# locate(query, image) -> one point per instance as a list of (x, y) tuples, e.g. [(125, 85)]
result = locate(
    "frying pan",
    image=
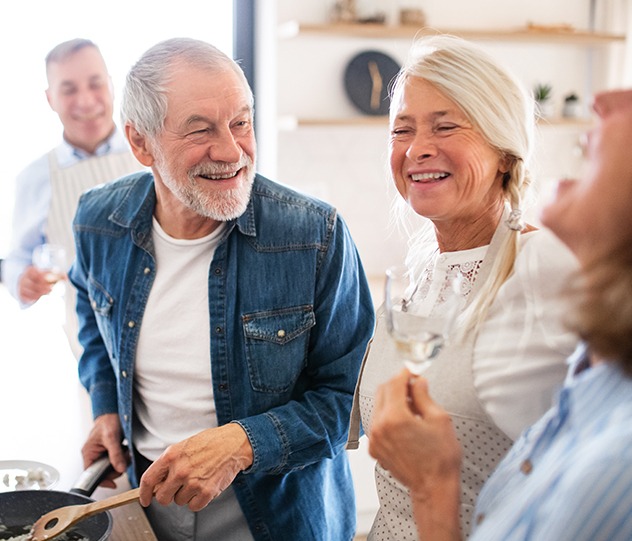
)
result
[(24, 507)]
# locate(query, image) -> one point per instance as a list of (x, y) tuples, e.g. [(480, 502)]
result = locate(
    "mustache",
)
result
[(220, 168)]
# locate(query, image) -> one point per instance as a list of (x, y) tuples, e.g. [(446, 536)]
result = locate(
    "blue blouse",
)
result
[(569, 476)]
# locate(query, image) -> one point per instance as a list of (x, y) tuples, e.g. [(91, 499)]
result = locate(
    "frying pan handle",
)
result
[(92, 476)]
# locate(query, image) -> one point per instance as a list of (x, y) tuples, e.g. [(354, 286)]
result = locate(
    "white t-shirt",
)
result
[(173, 392)]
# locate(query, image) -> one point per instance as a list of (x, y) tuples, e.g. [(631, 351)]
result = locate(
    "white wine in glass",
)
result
[(52, 259), (419, 331)]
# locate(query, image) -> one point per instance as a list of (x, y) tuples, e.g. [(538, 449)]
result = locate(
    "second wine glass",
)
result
[(52, 259)]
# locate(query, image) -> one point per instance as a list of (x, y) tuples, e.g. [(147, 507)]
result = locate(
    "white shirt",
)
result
[(173, 392), (518, 349)]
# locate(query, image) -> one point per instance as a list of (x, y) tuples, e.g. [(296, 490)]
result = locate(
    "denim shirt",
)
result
[(290, 315)]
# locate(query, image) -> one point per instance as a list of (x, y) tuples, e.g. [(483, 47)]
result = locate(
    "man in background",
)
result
[(93, 151)]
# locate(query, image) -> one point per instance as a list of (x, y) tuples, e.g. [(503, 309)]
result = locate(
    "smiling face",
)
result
[(441, 165), (592, 215), (80, 92), (203, 160)]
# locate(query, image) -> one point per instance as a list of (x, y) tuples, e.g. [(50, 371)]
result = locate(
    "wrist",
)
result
[(245, 453), (436, 509)]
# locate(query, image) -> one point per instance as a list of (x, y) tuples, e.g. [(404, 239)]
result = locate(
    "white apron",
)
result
[(451, 385), (67, 185)]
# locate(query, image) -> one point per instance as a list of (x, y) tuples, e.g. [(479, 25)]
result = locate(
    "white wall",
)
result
[(302, 77)]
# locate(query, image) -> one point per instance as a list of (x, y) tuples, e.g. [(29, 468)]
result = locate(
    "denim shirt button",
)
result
[(222, 386), (94, 305), (147, 270), (125, 417), (124, 373), (280, 333), (131, 324), (219, 330), (217, 271)]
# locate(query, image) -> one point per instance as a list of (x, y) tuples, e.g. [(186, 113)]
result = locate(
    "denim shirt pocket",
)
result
[(276, 346), (101, 303)]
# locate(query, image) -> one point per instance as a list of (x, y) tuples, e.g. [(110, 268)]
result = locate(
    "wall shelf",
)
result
[(288, 123), (530, 34)]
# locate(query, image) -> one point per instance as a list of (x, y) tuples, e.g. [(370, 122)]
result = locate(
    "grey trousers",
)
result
[(221, 520)]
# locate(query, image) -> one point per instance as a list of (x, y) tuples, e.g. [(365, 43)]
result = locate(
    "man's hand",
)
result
[(105, 437), (32, 284), (197, 470)]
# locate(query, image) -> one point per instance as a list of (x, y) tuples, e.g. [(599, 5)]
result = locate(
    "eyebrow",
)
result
[(433, 116), (71, 83), (196, 118), (201, 118)]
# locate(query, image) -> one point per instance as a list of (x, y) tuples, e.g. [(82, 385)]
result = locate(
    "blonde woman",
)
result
[(461, 138), (568, 478)]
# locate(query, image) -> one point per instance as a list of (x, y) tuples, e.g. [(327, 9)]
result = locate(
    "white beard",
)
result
[(221, 205)]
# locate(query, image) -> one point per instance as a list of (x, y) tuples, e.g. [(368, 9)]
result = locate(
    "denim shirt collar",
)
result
[(137, 208), (246, 222)]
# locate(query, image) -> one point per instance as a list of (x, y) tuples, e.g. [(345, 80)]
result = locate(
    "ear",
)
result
[(49, 98), (140, 146), (505, 163), (111, 86)]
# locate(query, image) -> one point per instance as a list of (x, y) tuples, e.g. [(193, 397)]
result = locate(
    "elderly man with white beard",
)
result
[(223, 318)]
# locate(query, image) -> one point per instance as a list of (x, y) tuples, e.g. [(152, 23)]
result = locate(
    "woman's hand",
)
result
[(413, 438)]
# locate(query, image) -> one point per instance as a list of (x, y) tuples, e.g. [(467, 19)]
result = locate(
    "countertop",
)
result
[(130, 524)]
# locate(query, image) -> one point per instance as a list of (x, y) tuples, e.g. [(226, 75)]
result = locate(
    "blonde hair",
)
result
[(501, 111)]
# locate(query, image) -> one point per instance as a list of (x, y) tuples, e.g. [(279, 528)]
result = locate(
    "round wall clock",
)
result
[(367, 77)]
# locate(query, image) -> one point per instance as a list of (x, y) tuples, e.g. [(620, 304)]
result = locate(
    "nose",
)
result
[(86, 98), (225, 147), (421, 147)]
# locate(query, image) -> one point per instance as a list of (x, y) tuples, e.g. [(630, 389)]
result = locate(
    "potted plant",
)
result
[(542, 93), (572, 106)]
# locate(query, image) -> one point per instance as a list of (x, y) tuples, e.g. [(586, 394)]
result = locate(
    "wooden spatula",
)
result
[(59, 520)]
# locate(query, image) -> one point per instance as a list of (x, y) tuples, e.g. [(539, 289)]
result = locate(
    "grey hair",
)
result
[(66, 49), (491, 97), (144, 101), (500, 109)]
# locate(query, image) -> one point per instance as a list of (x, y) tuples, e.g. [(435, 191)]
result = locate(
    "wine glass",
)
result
[(420, 329), (52, 259)]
